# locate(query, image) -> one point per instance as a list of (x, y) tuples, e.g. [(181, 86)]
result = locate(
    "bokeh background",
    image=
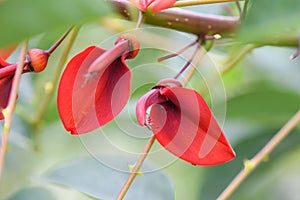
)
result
[(252, 101)]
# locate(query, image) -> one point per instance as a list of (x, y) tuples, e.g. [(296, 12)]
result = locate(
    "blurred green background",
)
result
[(252, 101)]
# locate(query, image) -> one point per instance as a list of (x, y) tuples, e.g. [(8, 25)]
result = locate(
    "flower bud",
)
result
[(134, 44), (37, 59)]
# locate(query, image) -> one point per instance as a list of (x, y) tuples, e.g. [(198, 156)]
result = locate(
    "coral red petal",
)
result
[(5, 87), (177, 125), (150, 98), (3, 63), (159, 5), (142, 4), (85, 104)]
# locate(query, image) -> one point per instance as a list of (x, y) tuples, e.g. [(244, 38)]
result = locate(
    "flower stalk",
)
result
[(252, 164), (11, 105), (136, 168)]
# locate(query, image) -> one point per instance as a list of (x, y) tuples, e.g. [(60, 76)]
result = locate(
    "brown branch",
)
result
[(181, 20), (195, 22)]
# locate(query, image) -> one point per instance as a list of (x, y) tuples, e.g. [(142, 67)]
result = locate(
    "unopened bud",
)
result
[(38, 59), (134, 44)]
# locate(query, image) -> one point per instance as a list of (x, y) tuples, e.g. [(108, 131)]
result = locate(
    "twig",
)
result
[(200, 41), (250, 165), (179, 52), (11, 104), (59, 41), (136, 168)]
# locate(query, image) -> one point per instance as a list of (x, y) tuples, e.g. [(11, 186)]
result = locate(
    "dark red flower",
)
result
[(5, 87), (183, 124), (155, 5), (95, 85), (36, 62)]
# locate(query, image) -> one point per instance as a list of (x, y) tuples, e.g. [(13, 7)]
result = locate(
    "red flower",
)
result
[(183, 124), (5, 87), (36, 62), (156, 5), (95, 85)]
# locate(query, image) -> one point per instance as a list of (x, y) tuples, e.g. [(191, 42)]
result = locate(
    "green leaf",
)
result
[(20, 19), (101, 181), (266, 106), (32, 193), (270, 22)]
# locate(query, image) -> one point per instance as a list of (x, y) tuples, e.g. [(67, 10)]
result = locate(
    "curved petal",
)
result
[(86, 104), (3, 63), (148, 99), (5, 87), (159, 5), (186, 127)]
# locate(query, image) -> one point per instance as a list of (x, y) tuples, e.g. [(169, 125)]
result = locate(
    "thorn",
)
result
[(131, 167)]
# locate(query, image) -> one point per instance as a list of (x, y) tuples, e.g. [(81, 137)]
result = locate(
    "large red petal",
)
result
[(5, 87), (159, 5), (147, 100), (87, 103), (186, 127)]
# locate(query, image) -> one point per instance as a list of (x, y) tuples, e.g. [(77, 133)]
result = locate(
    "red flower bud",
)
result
[(134, 44), (38, 59)]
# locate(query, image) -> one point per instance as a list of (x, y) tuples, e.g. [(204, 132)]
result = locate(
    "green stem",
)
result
[(233, 60), (136, 168), (252, 164), (8, 112)]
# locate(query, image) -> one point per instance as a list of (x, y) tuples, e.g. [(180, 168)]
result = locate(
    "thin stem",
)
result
[(58, 42), (191, 71), (238, 5), (199, 2), (140, 20), (250, 165), (8, 112), (237, 58), (136, 168), (52, 85), (191, 59), (244, 11), (179, 52)]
